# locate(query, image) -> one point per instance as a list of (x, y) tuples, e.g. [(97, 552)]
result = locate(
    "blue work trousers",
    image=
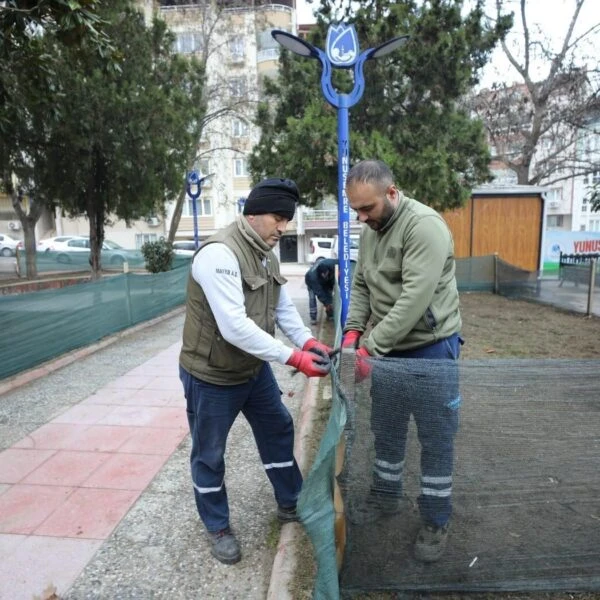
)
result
[(211, 411), (312, 305), (422, 383)]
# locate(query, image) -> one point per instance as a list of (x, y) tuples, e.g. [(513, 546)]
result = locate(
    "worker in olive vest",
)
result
[(235, 298)]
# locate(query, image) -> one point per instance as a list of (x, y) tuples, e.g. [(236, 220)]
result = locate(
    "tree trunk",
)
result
[(30, 249), (176, 218), (28, 221), (96, 219)]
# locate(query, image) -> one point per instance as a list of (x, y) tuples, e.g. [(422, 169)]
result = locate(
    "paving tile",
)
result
[(169, 417), (108, 396), (89, 513), (67, 468), (85, 414), (101, 438), (153, 440), (164, 383), (16, 463), (135, 416), (131, 382), (148, 397), (38, 562), (52, 436), (126, 472), (25, 507)]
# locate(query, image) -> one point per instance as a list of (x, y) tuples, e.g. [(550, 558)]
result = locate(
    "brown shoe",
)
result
[(431, 542)]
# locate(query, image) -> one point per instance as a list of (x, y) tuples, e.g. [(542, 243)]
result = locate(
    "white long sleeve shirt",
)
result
[(216, 270)]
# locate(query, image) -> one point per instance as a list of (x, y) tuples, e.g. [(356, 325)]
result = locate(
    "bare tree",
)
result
[(537, 127), (212, 29)]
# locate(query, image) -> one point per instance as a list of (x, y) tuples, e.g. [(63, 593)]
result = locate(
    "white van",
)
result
[(354, 246), (320, 248)]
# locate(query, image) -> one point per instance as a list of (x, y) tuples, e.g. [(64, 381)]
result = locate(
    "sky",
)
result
[(551, 17)]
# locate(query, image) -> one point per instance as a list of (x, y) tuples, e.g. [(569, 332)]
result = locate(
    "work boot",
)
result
[(224, 546), (377, 506), (431, 542), (287, 515)]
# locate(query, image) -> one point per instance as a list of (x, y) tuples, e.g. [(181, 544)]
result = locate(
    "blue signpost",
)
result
[(194, 188), (342, 52)]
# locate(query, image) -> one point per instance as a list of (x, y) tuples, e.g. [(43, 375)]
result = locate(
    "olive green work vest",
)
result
[(205, 353)]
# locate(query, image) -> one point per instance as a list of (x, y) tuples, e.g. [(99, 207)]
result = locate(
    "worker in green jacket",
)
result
[(404, 289)]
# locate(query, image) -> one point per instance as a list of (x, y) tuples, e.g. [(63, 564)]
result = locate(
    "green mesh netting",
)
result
[(39, 326)]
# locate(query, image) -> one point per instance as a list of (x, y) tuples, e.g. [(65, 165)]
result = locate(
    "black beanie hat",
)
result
[(277, 196)]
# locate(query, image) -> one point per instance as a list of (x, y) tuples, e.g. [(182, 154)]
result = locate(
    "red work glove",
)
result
[(313, 363), (350, 338), (362, 367), (313, 343)]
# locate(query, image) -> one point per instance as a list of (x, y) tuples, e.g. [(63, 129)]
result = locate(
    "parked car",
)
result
[(111, 253), (54, 243), (8, 245), (320, 248), (184, 247)]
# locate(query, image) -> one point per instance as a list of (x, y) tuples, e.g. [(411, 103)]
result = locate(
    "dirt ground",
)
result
[(493, 327)]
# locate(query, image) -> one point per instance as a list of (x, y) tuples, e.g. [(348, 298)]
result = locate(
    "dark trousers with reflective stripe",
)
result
[(423, 384), (211, 411)]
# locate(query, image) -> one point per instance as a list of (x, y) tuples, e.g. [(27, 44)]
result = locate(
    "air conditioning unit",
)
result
[(554, 204), (153, 221), (14, 225)]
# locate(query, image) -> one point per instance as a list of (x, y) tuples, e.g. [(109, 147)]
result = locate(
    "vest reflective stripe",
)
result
[(282, 465)]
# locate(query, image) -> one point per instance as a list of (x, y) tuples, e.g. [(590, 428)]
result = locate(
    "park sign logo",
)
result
[(342, 45)]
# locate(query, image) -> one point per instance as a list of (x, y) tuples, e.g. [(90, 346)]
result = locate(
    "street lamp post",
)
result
[(342, 52), (194, 183)]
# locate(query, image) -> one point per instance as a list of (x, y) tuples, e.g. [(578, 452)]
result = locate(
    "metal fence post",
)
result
[(592, 282)]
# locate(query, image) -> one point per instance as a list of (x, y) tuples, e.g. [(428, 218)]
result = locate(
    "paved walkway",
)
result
[(95, 499)]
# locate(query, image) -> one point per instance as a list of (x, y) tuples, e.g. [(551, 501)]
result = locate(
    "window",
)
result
[(555, 221), (240, 128), (78, 243), (203, 207), (240, 167), (594, 225), (237, 47), (142, 238), (188, 42), (237, 86), (202, 167)]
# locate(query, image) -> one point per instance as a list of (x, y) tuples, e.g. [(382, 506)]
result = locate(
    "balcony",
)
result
[(326, 219)]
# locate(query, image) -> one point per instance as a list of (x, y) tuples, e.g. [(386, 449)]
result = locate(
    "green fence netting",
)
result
[(39, 326)]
